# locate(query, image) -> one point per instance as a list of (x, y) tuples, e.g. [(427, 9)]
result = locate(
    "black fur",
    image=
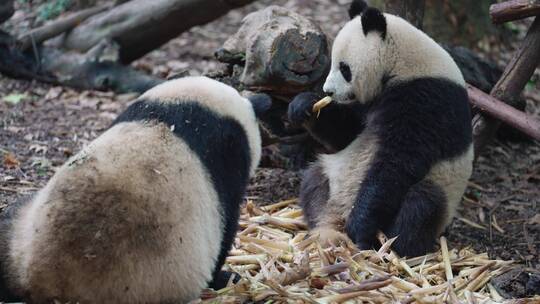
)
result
[(374, 20), (221, 144), (261, 103), (345, 71), (421, 213), (347, 121), (418, 123), (222, 278), (356, 8)]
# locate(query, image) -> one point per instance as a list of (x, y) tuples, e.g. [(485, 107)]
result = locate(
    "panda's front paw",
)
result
[(300, 108), (362, 237)]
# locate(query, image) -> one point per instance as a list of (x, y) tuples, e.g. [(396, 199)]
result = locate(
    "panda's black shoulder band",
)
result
[(374, 20), (357, 7)]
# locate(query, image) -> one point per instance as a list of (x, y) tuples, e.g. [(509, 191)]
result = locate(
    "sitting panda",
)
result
[(400, 130), (147, 212)]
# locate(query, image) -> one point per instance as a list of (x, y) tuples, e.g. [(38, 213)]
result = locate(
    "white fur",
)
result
[(132, 218), (452, 176), (406, 53), (131, 160), (346, 170), (220, 98)]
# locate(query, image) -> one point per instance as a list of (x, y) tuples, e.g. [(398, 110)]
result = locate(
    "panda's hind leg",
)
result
[(419, 220)]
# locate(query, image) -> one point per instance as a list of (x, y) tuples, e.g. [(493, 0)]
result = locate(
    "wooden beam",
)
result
[(514, 10), (509, 87), (503, 112)]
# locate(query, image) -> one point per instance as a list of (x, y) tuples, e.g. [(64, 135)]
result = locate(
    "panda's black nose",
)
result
[(330, 93)]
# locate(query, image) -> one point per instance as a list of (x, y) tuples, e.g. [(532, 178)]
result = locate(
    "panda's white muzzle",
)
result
[(339, 89)]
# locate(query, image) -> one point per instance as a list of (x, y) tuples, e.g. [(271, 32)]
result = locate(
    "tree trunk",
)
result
[(410, 10), (140, 26)]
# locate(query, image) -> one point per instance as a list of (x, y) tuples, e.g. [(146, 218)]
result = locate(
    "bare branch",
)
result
[(513, 10), (503, 112)]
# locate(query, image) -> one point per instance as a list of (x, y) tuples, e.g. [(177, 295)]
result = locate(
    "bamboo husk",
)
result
[(279, 261)]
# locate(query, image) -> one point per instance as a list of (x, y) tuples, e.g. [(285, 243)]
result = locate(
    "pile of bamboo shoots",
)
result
[(280, 262)]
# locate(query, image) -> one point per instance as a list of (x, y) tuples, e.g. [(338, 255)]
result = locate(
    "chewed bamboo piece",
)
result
[(319, 105), (279, 262)]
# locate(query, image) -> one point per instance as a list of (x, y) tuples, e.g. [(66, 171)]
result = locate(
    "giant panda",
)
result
[(147, 212), (399, 132)]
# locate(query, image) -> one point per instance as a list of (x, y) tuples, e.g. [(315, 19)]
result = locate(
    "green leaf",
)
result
[(14, 98), (53, 9)]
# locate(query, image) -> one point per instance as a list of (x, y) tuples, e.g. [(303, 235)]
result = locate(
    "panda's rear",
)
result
[(147, 212)]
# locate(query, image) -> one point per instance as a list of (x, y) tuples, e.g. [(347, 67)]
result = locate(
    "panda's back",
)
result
[(121, 210)]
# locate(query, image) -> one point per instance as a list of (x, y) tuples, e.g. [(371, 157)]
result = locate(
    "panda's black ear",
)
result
[(357, 7), (374, 20)]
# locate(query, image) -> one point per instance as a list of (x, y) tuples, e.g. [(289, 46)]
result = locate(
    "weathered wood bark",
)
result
[(140, 26), (57, 27), (410, 10), (514, 10), (284, 53), (96, 70), (503, 112), (510, 85), (6, 10)]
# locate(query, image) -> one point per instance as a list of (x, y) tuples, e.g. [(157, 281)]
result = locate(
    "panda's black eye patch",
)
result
[(345, 71)]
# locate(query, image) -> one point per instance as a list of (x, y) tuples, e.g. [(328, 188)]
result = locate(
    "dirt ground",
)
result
[(500, 213)]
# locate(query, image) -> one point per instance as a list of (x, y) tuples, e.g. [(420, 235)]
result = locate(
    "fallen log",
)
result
[(140, 26), (509, 87), (95, 70), (97, 42), (503, 112), (57, 27), (513, 10)]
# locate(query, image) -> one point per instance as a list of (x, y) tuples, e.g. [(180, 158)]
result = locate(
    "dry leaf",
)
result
[(10, 161)]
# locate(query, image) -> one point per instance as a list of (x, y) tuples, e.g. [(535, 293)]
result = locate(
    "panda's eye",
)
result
[(345, 71)]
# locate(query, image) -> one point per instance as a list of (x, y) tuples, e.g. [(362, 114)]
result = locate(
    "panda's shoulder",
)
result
[(433, 110), (426, 91)]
